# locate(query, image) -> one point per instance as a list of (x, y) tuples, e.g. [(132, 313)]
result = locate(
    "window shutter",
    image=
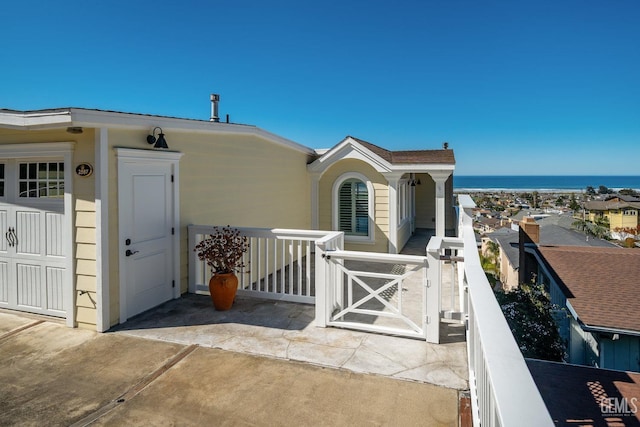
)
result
[(345, 210)]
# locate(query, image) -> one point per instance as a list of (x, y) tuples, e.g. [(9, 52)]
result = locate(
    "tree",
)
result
[(604, 190), (527, 310), (591, 191), (573, 203), (580, 225)]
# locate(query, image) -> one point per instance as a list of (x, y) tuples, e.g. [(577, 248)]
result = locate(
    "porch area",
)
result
[(275, 328)]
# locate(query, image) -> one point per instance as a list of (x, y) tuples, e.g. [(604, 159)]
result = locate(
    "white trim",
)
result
[(370, 238), (79, 117), (349, 148), (315, 201), (392, 184), (103, 321), (176, 226), (69, 230), (132, 156), (38, 149)]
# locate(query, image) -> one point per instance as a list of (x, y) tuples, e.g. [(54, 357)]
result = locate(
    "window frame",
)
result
[(337, 185)]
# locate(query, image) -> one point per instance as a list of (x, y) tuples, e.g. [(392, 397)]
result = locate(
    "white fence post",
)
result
[(433, 291), (321, 285)]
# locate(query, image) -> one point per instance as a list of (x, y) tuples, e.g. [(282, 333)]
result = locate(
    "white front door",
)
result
[(147, 214)]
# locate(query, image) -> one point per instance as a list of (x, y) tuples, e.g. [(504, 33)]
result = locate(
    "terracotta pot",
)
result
[(223, 287)]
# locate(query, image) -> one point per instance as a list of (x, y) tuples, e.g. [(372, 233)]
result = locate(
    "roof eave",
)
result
[(62, 118)]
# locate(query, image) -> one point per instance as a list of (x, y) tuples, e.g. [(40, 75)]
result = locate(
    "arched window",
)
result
[(353, 208)]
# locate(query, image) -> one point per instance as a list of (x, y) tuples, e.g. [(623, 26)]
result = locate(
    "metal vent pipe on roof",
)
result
[(215, 99)]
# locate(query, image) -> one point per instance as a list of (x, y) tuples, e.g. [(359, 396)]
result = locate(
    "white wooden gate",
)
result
[(378, 292)]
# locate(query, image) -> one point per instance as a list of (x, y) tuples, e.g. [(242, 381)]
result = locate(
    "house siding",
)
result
[(225, 179), (381, 202)]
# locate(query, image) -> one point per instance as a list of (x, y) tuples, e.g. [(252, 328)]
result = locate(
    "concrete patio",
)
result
[(57, 376), (285, 330)]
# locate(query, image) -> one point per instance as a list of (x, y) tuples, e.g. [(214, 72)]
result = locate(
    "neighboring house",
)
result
[(597, 288), (95, 217), (507, 241), (487, 225), (619, 211), (551, 233)]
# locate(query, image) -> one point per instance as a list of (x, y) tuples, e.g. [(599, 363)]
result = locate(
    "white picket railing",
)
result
[(280, 263), (503, 392)]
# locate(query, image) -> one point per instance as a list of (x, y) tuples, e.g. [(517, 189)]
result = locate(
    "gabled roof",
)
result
[(386, 161), (410, 156), (601, 284), (57, 118)]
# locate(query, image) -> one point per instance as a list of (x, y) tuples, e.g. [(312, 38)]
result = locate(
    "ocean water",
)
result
[(543, 183)]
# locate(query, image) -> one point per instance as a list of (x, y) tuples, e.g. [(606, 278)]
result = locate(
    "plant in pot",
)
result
[(222, 251)]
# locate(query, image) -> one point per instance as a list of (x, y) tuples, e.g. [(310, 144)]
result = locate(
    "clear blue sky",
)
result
[(516, 87)]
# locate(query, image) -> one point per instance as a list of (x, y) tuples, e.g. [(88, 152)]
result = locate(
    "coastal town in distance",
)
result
[(600, 212), (563, 265)]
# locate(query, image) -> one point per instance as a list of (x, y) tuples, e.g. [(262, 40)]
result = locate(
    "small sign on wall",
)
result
[(84, 169)]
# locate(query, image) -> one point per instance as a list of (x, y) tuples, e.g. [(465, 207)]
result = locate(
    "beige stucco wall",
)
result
[(238, 180), (83, 215), (381, 202)]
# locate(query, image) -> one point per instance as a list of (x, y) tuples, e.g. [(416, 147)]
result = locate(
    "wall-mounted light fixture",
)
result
[(74, 129), (414, 182), (160, 142)]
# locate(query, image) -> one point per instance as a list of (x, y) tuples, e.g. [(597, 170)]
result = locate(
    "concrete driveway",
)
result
[(54, 375)]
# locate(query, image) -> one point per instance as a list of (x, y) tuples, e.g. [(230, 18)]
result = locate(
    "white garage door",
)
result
[(32, 237)]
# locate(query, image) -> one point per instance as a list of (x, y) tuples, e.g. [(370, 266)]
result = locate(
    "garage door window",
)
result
[(41, 180)]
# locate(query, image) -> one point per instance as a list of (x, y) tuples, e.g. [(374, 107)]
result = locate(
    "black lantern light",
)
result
[(160, 142)]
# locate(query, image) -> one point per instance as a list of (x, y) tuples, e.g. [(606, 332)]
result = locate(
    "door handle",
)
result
[(129, 252), (11, 237), (14, 236)]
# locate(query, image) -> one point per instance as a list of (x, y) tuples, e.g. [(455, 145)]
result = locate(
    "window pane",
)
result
[(32, 171), (1, 170), (53, 170), (42, 171), (23, 171), (42, 189)]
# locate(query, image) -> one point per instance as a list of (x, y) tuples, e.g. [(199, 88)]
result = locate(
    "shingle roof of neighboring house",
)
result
[(624, 197), (551, 234), (601, 284), (600, 205), (411, 156)]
